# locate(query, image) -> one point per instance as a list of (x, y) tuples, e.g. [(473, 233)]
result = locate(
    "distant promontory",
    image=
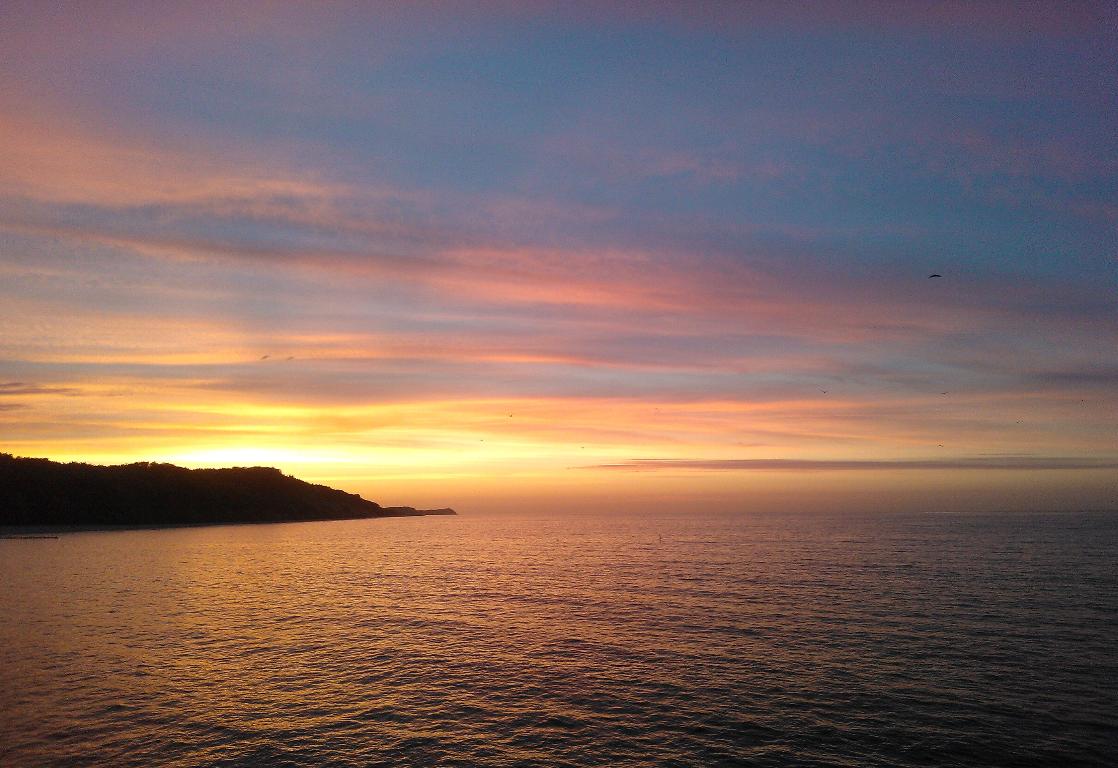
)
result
[(40, 492)]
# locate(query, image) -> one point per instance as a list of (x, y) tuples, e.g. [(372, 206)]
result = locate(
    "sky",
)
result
[(570, 255)]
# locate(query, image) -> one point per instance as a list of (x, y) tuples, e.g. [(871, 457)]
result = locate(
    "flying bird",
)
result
[(264, 357), (931, 276)]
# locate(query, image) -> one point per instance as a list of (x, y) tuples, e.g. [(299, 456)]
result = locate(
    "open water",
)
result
[(806, 640)]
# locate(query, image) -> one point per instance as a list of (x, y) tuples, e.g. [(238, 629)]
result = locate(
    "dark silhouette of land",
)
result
[(40, 492)]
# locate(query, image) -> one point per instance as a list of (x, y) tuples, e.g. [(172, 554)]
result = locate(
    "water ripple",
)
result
[(521, 641)]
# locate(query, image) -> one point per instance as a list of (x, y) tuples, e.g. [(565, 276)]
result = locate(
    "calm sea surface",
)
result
[(529, 640)]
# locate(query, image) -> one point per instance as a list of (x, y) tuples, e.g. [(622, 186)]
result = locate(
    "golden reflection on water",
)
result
[(558, 640)]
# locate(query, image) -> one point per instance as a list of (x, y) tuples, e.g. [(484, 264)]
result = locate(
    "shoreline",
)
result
[(32, 532)]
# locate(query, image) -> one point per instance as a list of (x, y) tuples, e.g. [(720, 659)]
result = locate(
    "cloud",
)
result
[(443, 219), (12, 388), (816, 465), (48, 158), (954, 17)]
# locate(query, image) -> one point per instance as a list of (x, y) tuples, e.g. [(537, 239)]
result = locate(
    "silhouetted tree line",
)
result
[(43, 492)]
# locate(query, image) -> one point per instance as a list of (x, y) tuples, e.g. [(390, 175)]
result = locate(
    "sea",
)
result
[(682, 639)]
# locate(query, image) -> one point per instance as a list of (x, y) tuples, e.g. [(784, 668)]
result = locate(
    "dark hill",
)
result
[(39, 492)]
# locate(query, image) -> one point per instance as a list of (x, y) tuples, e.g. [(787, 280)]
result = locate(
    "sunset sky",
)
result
[(570, 255)]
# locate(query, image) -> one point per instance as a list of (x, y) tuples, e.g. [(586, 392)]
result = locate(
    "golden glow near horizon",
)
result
[(440, 450)]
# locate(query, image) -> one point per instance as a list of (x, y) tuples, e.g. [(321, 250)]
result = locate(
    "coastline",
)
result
[(41, 532), (44, 495)]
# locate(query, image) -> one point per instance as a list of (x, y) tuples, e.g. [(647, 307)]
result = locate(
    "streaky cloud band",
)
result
[(988, 463)]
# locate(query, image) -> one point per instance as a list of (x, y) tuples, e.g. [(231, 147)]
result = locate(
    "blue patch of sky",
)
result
[(466, 115)]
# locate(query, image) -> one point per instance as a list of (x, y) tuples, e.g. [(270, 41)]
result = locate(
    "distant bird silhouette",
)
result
[(931, 276), (291, 357), (264, 357), (823, 391)]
